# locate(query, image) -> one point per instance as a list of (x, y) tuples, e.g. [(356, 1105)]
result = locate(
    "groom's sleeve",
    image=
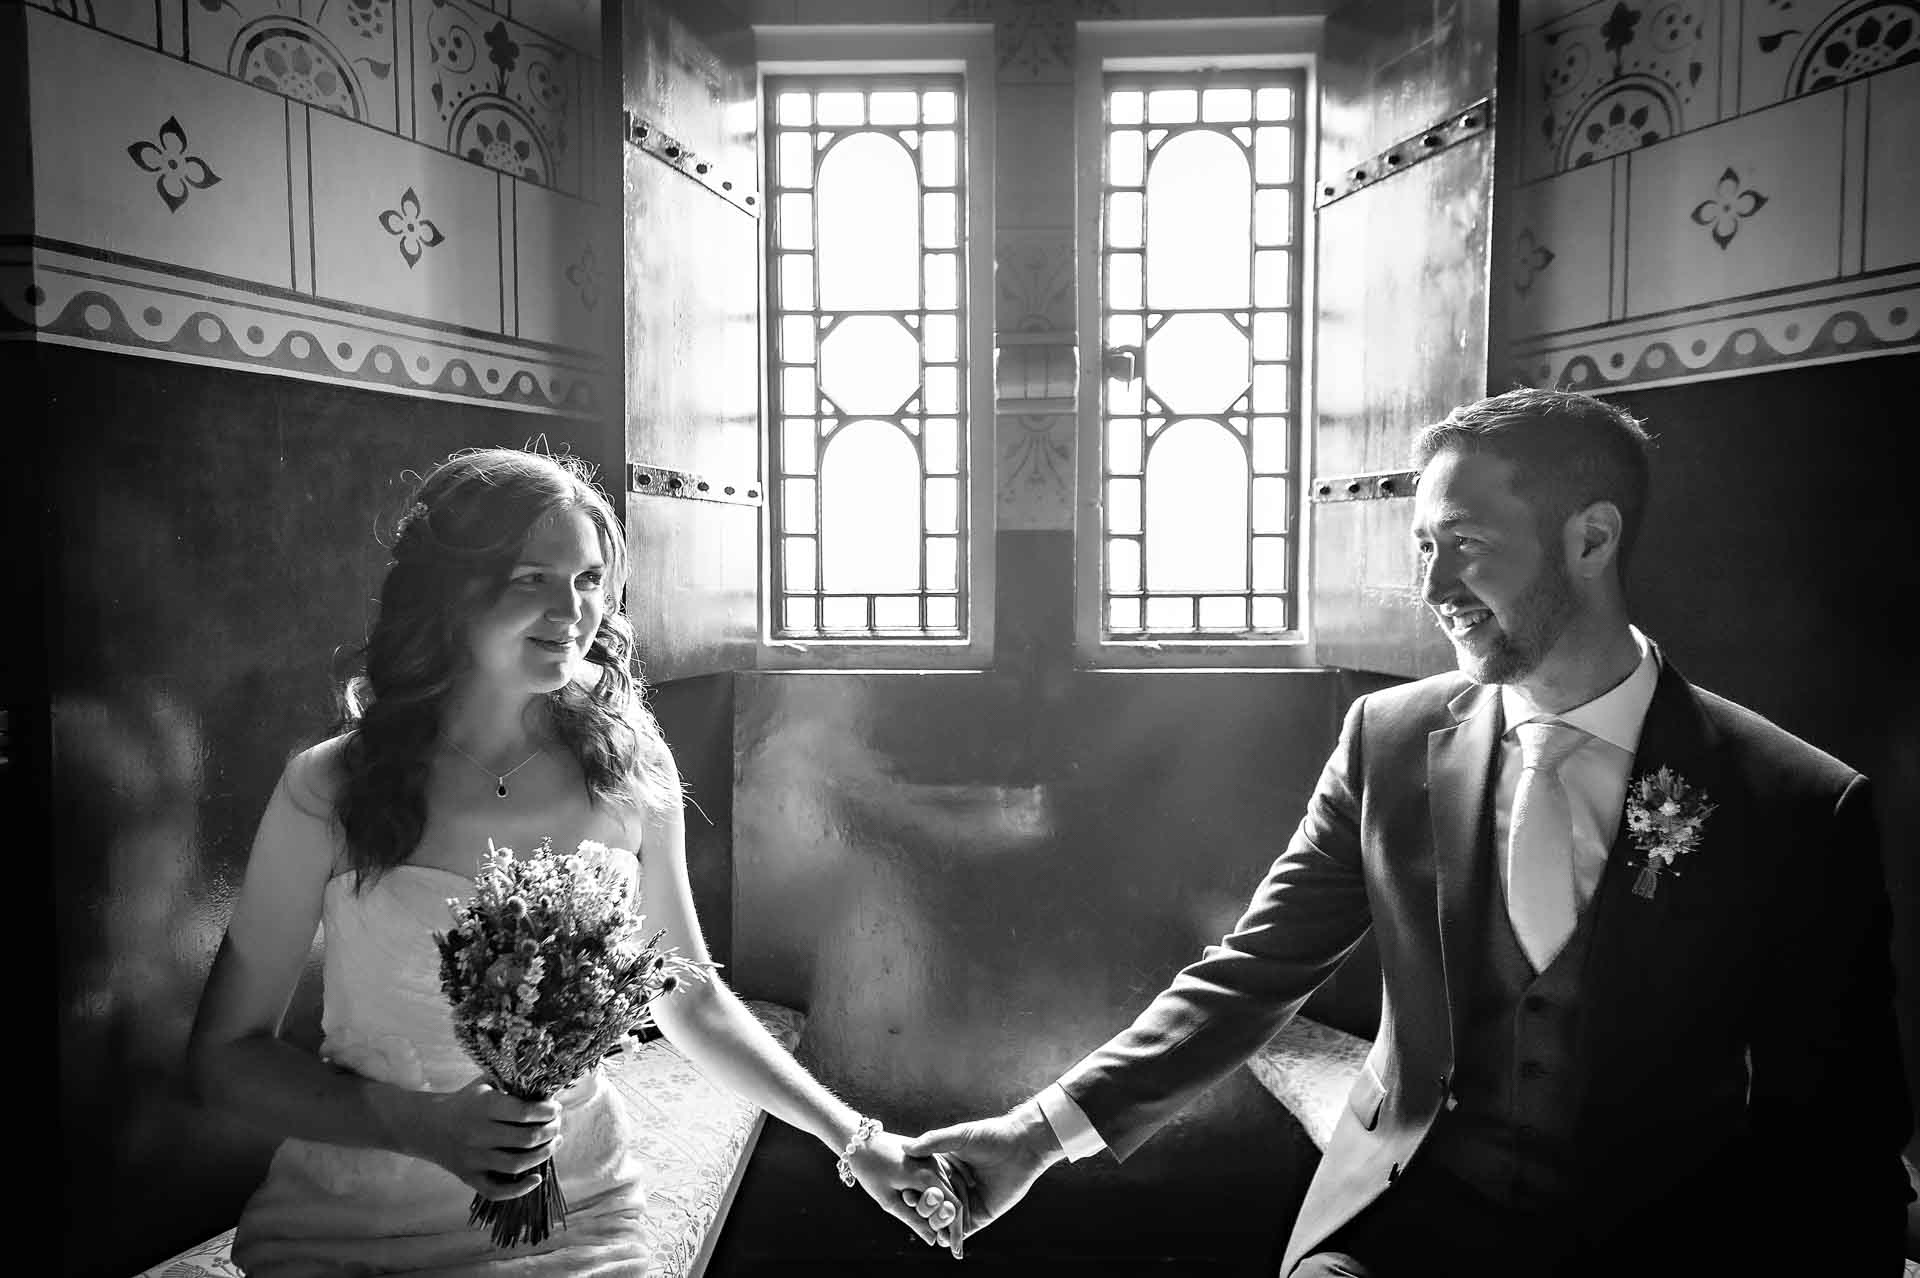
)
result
[(1828, 1098), (1306, 916)]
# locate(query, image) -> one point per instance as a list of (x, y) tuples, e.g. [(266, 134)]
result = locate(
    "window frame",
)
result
[(1291, 43), (966, 50)]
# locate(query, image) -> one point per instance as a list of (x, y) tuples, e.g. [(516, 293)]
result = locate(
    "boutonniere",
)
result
[(1665, 816)]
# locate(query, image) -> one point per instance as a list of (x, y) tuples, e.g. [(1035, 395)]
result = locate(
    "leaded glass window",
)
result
[(867, 246), (1200, 295)]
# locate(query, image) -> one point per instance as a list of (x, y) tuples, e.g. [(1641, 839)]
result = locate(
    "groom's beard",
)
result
[(1538, 618)]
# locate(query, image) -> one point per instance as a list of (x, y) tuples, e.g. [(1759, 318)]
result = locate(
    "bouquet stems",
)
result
[(530, 1218)]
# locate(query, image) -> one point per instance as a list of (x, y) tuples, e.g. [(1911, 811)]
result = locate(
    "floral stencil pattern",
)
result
[(415, 233), (1728, 207), (1856, 42), (584, 275), (504, 94), (1531, 259), (179, 174)]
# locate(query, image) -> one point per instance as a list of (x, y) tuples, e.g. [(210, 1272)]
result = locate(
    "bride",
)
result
[(498, 703)]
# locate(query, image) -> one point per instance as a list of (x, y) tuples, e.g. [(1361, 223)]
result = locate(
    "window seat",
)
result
[(1310, 1068), (697, 1139)]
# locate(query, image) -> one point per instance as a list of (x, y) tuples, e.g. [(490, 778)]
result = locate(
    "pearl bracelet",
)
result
[(861, 1135)]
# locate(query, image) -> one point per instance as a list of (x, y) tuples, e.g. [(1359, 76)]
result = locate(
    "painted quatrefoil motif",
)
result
[(1729, 206), (179, 174), (415, 233)]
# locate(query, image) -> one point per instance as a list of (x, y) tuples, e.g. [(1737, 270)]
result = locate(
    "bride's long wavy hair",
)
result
[(453, 553)]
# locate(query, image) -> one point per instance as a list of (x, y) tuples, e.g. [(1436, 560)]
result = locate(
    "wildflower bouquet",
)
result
[(547, 973)]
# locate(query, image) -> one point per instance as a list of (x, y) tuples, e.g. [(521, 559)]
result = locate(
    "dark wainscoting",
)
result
[(1779, 546)]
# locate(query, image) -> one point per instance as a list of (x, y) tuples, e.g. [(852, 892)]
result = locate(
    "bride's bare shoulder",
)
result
[(314, 777)]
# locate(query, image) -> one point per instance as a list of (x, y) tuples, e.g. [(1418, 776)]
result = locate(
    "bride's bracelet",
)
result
[(863, 1133)]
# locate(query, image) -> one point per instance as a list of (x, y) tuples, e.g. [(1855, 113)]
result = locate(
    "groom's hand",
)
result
[(998, 1159)]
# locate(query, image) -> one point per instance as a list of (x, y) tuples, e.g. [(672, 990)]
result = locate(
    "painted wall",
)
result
[(1712, 187), (399, 193)]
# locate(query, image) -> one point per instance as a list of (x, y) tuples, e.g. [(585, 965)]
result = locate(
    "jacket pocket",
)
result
[(1367, 1096)]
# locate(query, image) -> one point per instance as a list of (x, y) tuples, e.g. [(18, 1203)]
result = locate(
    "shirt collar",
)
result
[(1615, 716)]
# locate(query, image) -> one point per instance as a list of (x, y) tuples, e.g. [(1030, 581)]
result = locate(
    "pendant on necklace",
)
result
[(502, 790)]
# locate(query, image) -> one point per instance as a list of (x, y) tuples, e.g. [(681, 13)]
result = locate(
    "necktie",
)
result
[(1539, 861)]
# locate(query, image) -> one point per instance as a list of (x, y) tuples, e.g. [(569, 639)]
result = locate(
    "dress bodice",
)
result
[(384, 1014)]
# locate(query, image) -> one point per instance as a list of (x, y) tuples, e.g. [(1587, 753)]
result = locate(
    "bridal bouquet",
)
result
[(547, 972)]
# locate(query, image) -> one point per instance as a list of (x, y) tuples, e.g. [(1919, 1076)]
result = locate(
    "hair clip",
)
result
[(415, 513)]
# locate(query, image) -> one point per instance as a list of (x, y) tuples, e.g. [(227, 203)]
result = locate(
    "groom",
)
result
[(1591, 1060)]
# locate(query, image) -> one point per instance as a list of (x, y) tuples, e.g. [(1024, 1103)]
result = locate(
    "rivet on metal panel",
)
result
[(701, 167)]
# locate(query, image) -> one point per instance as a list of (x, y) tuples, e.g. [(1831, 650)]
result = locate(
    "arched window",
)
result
[(869, 352), (1198, 430)]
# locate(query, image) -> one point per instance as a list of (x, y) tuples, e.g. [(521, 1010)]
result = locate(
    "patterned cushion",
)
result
[(696, 1135), (211, 1259), (1311, 1067)]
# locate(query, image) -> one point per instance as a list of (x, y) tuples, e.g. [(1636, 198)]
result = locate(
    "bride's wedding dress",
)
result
[(336, 1209)]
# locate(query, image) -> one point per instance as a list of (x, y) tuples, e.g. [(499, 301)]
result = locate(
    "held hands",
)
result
[(897, 1181), (487, 1138), (996, 1160)]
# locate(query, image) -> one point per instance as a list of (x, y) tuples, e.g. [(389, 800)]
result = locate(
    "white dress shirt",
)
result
[(1595, 777)]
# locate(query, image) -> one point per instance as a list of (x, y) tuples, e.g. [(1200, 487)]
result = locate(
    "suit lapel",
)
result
[(1460, 771), (1623, 964)]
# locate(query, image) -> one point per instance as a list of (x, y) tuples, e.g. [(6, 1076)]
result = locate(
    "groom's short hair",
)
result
[(1567, 450)]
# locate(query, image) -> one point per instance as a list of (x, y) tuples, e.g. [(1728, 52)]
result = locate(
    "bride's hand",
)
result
[(898, 1181), (487, 1138)]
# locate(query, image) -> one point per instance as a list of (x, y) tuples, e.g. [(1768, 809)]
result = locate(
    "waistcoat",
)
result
[(1517, 1085)]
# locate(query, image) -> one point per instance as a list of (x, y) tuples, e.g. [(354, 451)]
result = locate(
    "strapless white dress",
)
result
[(336, 1209)]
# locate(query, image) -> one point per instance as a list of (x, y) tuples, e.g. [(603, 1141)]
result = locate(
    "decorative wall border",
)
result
[(1843, 320), (68, 298), (516, 93)]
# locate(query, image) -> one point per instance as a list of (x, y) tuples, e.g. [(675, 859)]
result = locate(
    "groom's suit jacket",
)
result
[(1738, 1038)]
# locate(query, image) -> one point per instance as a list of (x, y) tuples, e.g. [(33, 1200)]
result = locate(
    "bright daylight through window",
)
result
[(1200, 298), (866, 255)]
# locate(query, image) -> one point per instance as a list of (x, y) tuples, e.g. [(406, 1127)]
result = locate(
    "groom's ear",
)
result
[(1593, 538)]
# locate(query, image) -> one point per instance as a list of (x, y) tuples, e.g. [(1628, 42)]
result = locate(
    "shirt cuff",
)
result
[(1069, 1122)]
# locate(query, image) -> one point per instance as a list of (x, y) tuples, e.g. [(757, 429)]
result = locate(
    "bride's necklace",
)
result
[(499, 778)]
